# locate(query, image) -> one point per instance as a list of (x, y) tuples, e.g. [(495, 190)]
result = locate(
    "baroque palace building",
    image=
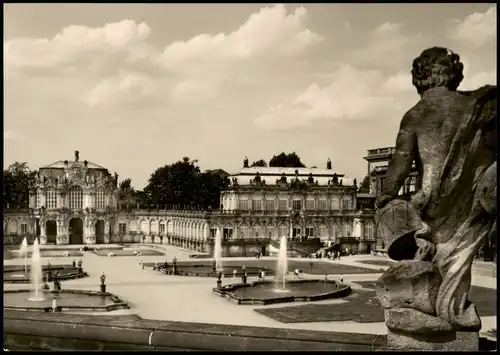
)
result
[(75, 202)]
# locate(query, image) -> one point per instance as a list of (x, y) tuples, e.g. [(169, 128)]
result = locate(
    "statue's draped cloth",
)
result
[(459, 209)]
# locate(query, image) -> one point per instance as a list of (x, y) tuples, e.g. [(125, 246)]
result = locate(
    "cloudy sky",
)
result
[(137, 86)]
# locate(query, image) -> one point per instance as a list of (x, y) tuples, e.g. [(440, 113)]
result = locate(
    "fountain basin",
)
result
[(15, 273), (270, 292), (128, 252), (186, 268), (49, 253), (67, 300)]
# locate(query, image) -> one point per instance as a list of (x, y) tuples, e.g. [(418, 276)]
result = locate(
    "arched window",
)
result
[(51, 198), (75, 197), (100, 199)]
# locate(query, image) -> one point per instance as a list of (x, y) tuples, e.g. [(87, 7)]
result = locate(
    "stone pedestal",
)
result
[(407, 291), (445, 341)]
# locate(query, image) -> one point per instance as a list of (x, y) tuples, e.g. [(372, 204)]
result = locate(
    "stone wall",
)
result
[(59, 332)]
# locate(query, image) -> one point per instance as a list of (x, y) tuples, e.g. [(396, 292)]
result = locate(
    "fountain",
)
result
[(36, 273), (23, 252), (282, 268), (265, 291), (218, 250)]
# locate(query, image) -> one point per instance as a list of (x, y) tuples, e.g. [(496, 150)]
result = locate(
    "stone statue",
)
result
[(245, 162), (450, 135), (77, 156)]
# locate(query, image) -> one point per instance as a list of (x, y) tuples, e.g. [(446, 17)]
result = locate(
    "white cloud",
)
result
[(477, 29), (388, 46), (193, 69), (207, 60), (271, 32), (353, 95), (76, 45), (125, 89), (473, 82), (399, 82)]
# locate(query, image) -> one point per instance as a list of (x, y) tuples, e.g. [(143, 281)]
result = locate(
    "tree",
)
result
[(259, 163), (283, 160), (182, 183), (365, 184), (126, 193), (17, 181)]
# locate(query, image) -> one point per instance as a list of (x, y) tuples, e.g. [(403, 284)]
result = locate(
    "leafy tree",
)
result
[(283, 160), (259, 163), (182, 183), (17, 180), (365, 184), (126, 193)]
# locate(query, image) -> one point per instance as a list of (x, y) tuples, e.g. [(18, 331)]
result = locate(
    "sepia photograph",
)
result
[(250, 177)]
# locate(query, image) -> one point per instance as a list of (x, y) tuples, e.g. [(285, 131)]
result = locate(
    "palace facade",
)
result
[(75, 202)]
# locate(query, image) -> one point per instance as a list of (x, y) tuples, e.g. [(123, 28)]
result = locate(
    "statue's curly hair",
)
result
[(437, 67)]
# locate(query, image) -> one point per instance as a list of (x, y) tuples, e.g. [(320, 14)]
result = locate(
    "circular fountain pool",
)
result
[(270, 292), (188, 268), (66, 300), (15, 273)]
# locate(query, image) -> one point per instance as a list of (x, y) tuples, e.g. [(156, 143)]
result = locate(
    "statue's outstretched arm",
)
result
[(401, 162)]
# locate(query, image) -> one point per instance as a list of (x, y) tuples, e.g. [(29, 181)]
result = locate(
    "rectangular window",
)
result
[(38, 201), (284, 231), (297, 205), (122, 227), (257, 205), (213, 232), (100, 199), (335, 231), (323, 206), (283, 204), (162, 228), (243, 205), (24, 229), (368, 230), (269, 205), (270, 232), (51, 199), (335, 203), (323, 231), (296, 232), (257, 232), (346, 203), (310, 232), (310, 205)]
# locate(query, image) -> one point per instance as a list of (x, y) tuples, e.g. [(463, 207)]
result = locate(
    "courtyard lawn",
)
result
[(362, 306), (376, 262)]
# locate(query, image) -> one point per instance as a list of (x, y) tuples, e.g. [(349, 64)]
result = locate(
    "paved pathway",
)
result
[(156, 296)]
